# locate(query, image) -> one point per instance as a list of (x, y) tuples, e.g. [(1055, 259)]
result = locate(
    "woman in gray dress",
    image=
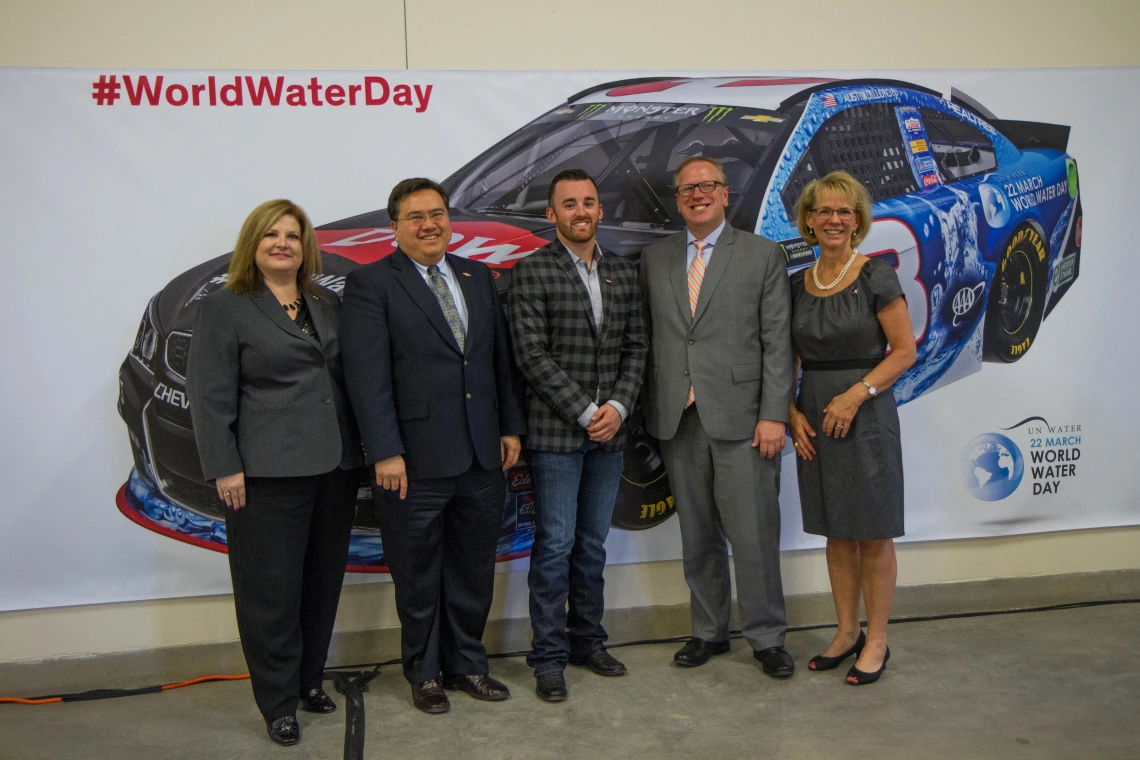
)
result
[(846, 309)]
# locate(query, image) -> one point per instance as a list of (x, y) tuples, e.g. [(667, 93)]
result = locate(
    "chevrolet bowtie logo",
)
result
[(592, 109), (716, 113)]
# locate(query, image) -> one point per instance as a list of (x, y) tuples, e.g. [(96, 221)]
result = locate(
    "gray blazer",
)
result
[(265, 398), (736, 351)]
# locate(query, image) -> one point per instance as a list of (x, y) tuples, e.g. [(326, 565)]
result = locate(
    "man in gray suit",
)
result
[(720, 374)]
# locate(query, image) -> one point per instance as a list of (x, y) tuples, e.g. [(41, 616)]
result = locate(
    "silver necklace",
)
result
[(842, 273)]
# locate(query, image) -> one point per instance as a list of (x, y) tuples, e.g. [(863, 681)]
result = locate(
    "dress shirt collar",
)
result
[(710, 238), (578, 260)]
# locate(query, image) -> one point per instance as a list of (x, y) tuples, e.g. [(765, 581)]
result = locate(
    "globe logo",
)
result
[(995, 205), (993, 467)]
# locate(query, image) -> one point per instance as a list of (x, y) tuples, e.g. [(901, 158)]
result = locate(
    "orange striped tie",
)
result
[(696, 275)]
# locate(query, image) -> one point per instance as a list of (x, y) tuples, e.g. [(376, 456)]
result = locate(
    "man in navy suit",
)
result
[(430, 374)]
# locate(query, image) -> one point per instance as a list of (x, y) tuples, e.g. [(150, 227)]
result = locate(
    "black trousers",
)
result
[(287, 552), (439, 543)]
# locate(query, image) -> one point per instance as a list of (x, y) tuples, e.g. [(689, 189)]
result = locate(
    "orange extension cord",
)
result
[(105, 693)]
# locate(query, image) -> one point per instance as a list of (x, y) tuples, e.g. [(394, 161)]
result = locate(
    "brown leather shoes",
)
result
[(430, 697), (480, 686)]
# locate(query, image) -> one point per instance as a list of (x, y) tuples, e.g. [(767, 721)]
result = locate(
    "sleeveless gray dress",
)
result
[(853, 488)]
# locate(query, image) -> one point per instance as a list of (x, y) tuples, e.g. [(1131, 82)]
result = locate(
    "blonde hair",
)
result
[(721, 177), (244, 276), (836, 182)]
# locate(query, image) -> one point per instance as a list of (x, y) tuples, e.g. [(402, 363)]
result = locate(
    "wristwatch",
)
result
[(871, 389)]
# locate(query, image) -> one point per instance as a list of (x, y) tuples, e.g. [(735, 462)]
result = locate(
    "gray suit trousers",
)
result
[(725, 490)]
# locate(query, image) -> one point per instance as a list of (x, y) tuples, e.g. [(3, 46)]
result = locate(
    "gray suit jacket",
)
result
[(736, 351), (267, 399)]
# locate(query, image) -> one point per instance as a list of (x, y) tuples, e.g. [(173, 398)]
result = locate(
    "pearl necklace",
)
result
[(842, 272)]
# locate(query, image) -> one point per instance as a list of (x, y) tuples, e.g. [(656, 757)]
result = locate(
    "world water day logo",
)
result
[(993, 466)]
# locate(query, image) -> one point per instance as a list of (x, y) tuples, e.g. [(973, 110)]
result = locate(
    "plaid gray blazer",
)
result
[(566, 362)]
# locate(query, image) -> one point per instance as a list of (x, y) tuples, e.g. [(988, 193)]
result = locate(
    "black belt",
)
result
[(840, 365)]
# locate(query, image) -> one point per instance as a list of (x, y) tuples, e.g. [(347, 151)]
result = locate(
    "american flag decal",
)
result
[(829, 101)]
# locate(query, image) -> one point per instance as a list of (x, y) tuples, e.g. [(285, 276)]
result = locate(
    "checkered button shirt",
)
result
[(567, 362)]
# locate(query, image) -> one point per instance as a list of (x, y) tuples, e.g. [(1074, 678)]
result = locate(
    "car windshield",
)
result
[(631, 149)]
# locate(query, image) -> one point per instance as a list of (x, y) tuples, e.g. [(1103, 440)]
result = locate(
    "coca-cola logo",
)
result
[(519, 480)]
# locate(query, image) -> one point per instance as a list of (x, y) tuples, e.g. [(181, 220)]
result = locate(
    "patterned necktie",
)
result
[(696, 276), (447, 303)]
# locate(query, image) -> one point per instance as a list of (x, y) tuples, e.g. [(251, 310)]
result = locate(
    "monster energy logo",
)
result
[(590, 110), (716, 113)]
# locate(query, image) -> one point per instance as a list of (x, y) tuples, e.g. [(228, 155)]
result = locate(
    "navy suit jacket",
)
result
[(415, 393)]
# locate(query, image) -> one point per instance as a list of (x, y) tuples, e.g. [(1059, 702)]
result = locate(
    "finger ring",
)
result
[(839, 425), (227, 493), (796, 444)]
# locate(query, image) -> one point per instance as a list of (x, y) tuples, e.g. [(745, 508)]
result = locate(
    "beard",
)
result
[(578, 236)]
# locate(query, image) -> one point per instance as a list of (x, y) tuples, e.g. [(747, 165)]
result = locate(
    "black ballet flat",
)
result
[(863, 678), (822, 662)]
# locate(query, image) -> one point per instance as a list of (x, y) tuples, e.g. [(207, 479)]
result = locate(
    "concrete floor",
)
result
[(1060, 684)]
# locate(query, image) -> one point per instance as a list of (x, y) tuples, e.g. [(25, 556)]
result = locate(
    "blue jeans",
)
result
[(574, 500)]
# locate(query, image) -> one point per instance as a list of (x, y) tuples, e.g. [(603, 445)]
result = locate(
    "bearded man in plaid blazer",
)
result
[(575, 318)]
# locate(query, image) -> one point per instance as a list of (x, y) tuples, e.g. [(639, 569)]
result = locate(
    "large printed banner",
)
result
[(123, 192)]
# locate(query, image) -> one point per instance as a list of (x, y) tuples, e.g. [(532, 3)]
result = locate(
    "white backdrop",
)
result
[(100, 206)]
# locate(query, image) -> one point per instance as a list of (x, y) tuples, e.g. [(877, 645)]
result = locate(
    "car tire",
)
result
[(644, 497), (1017, 296)]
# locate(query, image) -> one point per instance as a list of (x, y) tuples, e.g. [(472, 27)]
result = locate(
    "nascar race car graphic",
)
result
[(981, 217)]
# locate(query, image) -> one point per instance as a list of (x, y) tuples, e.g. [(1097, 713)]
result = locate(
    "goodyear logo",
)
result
[(716, 113), (762, 118), (590, 110), (918, 146)]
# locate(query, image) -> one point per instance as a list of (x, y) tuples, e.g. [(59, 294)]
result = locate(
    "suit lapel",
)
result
[(565, 260), (679, 274), (271, 307), (410, 279), (609, 292), (316, 308), (471, 295), (718, 264)]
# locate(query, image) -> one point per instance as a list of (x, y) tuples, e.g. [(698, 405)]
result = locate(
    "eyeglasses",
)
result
[(845, 214), (706, 187), (418, 219)]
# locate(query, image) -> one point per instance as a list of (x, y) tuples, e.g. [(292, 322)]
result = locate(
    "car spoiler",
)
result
[(1023, 134)]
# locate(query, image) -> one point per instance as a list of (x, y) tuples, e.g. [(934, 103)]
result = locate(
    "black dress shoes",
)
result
[(480, 686), (285, 731), (551, 687), (698, 651), (601, 662), (430, 697), (316, 701), (776, 661), (823, 662)]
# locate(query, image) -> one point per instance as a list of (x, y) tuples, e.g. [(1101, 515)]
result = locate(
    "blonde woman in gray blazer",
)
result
[(276, 433)]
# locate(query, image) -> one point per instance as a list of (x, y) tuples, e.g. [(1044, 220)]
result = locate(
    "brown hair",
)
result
[(244, 276), (838, 182)]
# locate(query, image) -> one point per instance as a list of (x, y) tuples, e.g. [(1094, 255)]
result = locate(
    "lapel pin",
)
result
[(466, 274), (609, 282)]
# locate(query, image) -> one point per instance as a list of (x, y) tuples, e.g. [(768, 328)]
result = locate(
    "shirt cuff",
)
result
[(585, 417), (621, 410)]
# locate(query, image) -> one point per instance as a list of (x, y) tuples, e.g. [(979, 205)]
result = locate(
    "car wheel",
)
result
[(644, 498), (1017, 296)]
